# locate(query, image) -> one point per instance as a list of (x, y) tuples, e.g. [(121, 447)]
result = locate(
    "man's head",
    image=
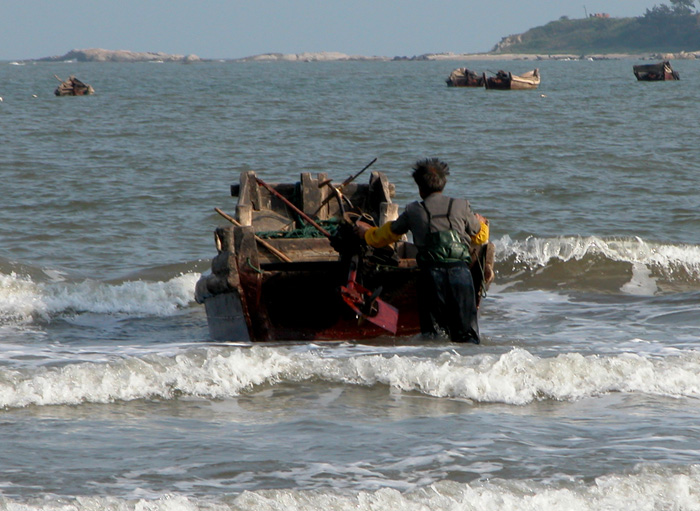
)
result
[(430, 175)]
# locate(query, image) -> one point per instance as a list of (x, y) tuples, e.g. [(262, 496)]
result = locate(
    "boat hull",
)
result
[(305, 304)]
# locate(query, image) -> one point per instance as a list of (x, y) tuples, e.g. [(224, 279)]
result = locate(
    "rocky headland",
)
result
[(100, 55)]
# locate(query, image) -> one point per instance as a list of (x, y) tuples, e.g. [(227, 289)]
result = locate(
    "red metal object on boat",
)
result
[(367, 304)]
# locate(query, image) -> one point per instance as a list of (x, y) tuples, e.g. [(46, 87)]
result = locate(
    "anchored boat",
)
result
[(508, 81), (289, 266), (463, 77), (661, 71), (73, 87)]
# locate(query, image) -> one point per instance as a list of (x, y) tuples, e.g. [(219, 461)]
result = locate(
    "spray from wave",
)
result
[(516, 377)]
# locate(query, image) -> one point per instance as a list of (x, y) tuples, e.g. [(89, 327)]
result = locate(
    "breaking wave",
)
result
[(24, 298), (516, 377), (628, 265), (647, 487)]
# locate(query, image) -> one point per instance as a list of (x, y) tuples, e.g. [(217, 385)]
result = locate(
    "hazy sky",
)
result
[(240, 28)]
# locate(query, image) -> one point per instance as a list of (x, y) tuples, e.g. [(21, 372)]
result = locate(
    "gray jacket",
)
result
[(415, 219)]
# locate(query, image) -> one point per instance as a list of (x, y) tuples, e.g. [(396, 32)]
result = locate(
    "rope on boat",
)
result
[(258, 270), (305, 231)]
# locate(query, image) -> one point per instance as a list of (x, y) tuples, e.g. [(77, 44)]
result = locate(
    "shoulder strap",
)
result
[(430, 217), (427, 212)]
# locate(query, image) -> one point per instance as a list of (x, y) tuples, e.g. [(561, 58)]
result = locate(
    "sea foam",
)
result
[(539, 252), (22, 299), (516, 377), (649, 487)]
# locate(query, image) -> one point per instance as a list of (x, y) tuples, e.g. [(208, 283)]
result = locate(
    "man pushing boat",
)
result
[(444, 229)]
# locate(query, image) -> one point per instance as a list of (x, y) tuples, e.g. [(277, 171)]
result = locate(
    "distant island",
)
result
[(100, 55)]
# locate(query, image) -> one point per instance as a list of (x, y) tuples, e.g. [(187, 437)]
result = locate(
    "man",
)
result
[(443, 229)]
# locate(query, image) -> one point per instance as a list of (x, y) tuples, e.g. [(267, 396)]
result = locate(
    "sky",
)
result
[(229, 29)]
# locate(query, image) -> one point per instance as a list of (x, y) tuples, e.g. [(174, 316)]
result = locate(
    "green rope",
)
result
[(253, 267), (304, 231)]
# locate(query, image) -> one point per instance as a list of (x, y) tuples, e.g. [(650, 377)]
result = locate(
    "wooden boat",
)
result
[(463, 77), (655, 72), (289, 266), (508, 81), (73, 87)]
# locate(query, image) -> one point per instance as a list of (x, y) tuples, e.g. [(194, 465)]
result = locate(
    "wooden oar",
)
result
[(264, 243)]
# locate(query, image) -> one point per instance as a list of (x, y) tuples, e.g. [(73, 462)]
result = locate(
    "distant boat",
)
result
[(508, 81), (660, 71), (463, 77), (73, 87)]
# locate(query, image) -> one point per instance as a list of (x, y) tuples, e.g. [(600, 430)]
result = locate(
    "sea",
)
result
[(585, 391)]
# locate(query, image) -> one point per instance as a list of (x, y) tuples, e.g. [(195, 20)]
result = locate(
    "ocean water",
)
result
[(583, 395)]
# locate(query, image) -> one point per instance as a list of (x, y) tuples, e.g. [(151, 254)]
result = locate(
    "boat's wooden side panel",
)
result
[(299, 250), (225, 318)]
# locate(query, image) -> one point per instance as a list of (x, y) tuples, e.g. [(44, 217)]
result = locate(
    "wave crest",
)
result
[(516, 377), (22, 299), (631, 265)]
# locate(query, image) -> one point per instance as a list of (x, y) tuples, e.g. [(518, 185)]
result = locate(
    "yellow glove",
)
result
[(381, 236), (482, 236)]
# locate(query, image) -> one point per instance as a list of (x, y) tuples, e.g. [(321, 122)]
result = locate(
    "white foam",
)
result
[(541, 251), (649, 488), (21, 299), (516, 377), (641, 283)]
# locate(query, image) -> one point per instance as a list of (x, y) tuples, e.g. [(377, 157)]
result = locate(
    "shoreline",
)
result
[(100, 55)]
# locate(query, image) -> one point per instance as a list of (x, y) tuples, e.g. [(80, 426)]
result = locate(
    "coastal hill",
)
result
[(658, 31)]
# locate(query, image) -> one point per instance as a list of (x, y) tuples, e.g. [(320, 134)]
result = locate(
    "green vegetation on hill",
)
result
[(661, 29)]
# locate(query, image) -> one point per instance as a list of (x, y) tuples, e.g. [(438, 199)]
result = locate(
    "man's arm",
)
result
[(377, 236), (482, 236)]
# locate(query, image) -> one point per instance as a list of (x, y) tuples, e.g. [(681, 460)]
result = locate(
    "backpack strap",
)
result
[(446, 215)]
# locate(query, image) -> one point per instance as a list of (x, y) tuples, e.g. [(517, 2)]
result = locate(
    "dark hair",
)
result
[(430, 175)]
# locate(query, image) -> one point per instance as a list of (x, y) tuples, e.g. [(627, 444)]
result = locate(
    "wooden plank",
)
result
[(249, 194), (310, 194)]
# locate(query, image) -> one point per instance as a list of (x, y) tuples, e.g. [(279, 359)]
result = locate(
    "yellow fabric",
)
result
[(482, 236), (381, 236)]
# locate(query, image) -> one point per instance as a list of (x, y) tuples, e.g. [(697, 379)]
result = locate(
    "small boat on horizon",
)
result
[(658, 72), (508, 81), (463, 77), (73, 87)]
